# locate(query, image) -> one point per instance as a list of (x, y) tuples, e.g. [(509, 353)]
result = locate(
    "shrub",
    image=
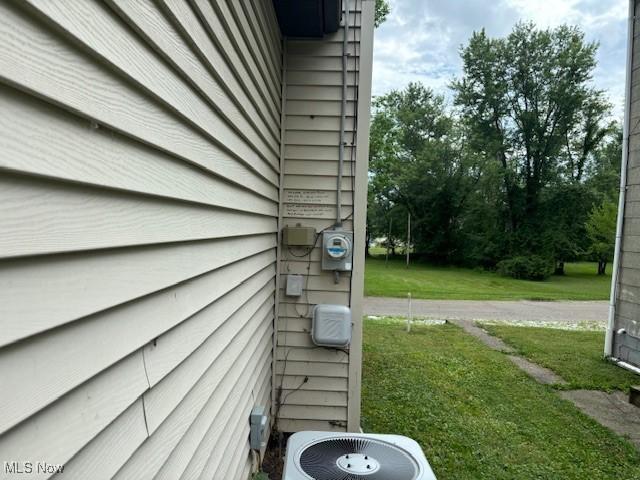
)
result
[(532, 267)]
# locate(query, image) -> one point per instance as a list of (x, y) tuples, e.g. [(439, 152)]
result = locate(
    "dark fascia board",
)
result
[(307, 18)]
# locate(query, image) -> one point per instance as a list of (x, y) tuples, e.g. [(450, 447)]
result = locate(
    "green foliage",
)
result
[(528, 105), (580, 282), (574, 355), (604, 172), (260, 476), (532, 267), (564, 212), (382, 11), (417, 167), (476, 415), (601, 228), (514, 170)]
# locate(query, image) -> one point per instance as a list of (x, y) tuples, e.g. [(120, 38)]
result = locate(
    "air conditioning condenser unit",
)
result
[(352, 456)]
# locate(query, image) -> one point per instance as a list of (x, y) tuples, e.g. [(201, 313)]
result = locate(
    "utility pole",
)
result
[(408, 236), (410, 316), (386, 259)]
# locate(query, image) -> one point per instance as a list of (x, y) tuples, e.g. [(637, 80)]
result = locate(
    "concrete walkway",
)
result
[(514, 311), (612, 410), (538, 373)]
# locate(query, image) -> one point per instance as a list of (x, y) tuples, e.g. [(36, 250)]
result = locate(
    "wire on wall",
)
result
[(280, 401), (343, 110), (281, 398)]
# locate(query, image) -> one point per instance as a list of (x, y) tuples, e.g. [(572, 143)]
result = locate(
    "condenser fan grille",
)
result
[(357, 458)]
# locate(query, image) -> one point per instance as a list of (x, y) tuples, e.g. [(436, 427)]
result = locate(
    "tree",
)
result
[(382, 10), (601, 228), (565, 208), (514, 170), (385, 219), (418, 165), (604, 170), (586, 135), (527, 103)]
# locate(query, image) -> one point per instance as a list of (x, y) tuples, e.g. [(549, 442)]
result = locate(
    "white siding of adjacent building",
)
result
[(330, 397), (139, 176)]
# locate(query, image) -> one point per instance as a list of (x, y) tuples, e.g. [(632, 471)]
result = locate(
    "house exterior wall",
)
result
[(139, 177), (330, 397), (141, 195), (626, 294)]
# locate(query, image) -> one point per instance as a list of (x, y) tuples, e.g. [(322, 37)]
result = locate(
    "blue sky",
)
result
[(421, 38)]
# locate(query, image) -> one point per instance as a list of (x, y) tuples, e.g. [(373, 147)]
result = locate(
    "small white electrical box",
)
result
[(294, 285), (258, 421), (337, 250), (331, 326)]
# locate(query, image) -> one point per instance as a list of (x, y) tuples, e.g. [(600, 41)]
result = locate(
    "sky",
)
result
[(420, 40)]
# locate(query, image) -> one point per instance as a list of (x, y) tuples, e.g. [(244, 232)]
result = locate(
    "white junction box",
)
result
[(331, 326), (337, 250), (294, 285)]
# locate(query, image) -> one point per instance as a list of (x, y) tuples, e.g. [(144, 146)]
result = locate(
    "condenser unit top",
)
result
[(351, 456)]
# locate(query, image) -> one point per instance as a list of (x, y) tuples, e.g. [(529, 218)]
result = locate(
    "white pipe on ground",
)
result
[(608, 342), (626, 365)]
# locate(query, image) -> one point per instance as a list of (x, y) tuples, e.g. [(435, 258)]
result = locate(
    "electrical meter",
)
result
[(337, 250)]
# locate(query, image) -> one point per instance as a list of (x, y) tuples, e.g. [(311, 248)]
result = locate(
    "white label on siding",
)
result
[(299, 210), (310, 196)]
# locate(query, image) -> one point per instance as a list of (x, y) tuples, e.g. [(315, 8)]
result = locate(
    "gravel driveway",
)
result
[(570, 312)]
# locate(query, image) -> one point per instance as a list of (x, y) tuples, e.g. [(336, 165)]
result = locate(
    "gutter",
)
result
[(608, 343)]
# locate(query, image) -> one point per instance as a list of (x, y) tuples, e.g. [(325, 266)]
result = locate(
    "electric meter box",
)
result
[(337, 250), (331, 326)]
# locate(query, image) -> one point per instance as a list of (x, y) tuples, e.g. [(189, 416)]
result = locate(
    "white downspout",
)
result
[(608, 342)]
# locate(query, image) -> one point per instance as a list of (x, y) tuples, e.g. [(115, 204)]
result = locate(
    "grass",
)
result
[(454, 283), (476, 415), (574, 355)]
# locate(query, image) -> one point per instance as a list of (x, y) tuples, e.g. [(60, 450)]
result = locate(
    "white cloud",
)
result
[(588, 13), (421, 38)]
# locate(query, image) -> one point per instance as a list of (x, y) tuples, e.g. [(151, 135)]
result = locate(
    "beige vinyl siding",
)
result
[(315, 384), (139, 179)]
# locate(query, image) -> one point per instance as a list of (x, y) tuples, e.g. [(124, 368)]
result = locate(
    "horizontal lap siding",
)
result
[(139, 178), (628, 288), (312, 382)]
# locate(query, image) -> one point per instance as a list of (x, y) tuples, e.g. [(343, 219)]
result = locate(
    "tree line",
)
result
[(519, 174)]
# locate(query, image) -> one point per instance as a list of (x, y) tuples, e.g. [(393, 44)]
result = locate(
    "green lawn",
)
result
[(574, 355), (453, 283), (476, 415)]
